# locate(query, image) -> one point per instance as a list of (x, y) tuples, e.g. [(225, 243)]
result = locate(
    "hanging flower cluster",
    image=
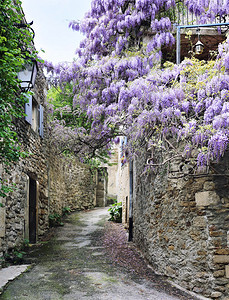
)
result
[(120, 88)]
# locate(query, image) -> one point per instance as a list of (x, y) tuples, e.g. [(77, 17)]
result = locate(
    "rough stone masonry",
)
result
[(51, 180), (181, 225)]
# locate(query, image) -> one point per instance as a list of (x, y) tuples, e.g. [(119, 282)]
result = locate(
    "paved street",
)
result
[(81, 262)]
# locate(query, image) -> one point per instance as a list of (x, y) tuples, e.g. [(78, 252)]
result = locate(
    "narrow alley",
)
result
[(81, 262)]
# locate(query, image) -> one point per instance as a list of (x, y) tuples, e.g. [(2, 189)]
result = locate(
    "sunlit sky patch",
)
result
[(51, 19)]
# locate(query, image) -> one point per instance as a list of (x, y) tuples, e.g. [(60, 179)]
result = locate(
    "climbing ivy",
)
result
[(15, 46)]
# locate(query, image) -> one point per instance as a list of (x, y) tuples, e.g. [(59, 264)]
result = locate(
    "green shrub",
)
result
[(55, 220), (66, 211), (116, 212), (16, 255)]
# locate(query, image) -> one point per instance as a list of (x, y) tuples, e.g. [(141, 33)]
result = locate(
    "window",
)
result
[(34, 115), (35, 124)]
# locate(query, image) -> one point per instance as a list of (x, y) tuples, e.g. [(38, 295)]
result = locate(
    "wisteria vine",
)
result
[(119, 84)]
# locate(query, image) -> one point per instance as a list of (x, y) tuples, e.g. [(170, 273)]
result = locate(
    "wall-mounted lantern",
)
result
[(27, 75), (199, 46)]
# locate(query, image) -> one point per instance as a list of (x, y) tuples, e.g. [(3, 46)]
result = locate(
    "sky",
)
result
[(50, 23)]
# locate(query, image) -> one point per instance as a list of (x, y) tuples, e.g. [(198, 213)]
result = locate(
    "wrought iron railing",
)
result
[(180, 15)]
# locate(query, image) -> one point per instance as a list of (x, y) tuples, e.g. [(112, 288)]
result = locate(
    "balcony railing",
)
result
[(180, 15)]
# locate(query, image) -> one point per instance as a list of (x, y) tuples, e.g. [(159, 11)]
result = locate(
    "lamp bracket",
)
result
[(25, 25)]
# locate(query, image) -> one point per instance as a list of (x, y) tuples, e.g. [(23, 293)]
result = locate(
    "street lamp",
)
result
[(27, 75)]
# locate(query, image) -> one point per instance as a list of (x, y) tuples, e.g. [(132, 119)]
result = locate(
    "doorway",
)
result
[(32, 210)]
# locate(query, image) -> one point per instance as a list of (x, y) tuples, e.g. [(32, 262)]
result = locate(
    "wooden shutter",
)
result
[(28, 109), (41, 120)]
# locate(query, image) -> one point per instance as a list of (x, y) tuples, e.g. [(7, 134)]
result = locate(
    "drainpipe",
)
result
[(178, 45), (179, 27), (131, 202), (49, 182)]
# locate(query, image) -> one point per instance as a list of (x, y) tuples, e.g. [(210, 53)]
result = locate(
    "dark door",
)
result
[(127, 210), (32, 210)]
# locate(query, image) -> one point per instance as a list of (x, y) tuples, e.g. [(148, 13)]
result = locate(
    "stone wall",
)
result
[(71, 184), (181, 225), (60, 182), (42, 182), (15, 212)]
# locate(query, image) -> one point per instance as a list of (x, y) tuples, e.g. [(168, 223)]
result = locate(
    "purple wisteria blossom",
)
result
[(119, 87)]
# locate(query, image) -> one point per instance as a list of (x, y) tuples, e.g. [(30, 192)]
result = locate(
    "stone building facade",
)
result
[(181, 225), (23, 208), (113, 174), (118, 180), (42, 182)]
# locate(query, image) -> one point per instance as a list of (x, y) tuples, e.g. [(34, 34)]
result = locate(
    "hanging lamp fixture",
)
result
[(199, 46)]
